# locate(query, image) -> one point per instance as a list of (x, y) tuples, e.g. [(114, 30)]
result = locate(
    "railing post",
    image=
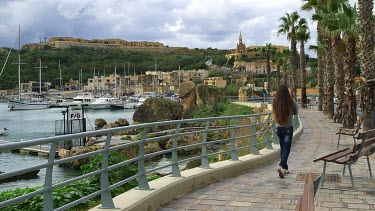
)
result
[(142, 179), (106, 197), (233, 152), (268, 140), (204, 146), (254, 137), (47, 197), (295, 122), (175, 167)]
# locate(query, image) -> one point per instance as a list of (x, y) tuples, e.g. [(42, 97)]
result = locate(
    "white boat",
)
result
[(130, 105), (27, 105), (4, 131), (86, 99), (101, 103)]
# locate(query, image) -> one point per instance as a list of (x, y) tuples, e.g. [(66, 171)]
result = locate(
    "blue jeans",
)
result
[(285, 135)]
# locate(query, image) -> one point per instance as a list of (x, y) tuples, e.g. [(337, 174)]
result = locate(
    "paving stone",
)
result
[(212, 202), (222, 198), (343, 196), (221, 208), (261, 205), (332, 205), (240, 204), (252, 199), (359, 206), (353, 201), (198, 207), (327, 199), (279, 201)]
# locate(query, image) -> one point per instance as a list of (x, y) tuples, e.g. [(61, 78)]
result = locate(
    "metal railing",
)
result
[(235, 136)]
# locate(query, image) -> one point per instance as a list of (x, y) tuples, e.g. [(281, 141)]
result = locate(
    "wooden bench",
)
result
[(306, 202), (350, 132), (350, 155)]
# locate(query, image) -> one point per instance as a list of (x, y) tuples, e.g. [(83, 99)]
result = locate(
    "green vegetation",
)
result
[(222, 109), (78, 190), (104, 60)]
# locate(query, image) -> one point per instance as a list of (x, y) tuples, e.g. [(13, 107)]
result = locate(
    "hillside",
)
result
[(104, 60)]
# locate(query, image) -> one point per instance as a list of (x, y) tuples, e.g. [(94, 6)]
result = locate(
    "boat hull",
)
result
[(22, 105), (100, 106)]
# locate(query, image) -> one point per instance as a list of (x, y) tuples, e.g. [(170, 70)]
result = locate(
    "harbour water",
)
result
[(31, 124)]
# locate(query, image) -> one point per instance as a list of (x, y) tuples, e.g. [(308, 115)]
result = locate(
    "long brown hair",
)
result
[(282, 105)]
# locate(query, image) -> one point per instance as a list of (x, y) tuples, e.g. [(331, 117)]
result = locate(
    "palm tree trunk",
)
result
[(303, 78), (339, 76), (293, 56), (268, 67), (278, 75), (329, 78), (366, 25), (350, 104), (321, 65)]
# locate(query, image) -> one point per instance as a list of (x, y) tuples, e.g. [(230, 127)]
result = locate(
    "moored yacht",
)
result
[(35, 102), (85, 99), (101, 103)]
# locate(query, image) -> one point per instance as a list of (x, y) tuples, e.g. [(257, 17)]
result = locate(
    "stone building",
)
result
[(215, 81)]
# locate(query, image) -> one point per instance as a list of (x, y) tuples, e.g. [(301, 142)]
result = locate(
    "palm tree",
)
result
[(302, 36), (315, 5), (268, 51), (288, 26), (366, 34), (321, 8), (350, 34), (330, 18)]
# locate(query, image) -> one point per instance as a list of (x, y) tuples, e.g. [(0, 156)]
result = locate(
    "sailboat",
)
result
[(35, 102)]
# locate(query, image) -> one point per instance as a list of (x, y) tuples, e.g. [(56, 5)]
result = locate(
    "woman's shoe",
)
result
[(281, 172), (286, 171)]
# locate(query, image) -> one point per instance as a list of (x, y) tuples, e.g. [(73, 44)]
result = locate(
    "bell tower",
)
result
[(241, 48)]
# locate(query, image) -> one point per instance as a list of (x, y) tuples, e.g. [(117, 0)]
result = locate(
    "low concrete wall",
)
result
[(167, 188)]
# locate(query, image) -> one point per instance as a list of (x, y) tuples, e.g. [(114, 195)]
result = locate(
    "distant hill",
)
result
[(104, 60)]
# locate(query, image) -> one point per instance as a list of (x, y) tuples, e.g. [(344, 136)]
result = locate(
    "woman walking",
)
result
[(283, 109)]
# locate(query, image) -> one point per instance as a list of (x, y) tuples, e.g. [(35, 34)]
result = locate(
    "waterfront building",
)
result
[(215, 81)]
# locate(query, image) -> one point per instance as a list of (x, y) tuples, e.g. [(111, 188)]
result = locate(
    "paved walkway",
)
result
[(261, 189)]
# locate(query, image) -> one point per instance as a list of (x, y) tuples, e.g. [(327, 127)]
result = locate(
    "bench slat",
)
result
[(346, 150), (306, 202)]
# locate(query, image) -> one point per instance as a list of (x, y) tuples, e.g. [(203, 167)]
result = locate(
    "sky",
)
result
[(176, 23)]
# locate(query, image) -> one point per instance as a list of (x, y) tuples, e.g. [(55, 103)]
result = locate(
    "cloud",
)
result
[(190, 23)]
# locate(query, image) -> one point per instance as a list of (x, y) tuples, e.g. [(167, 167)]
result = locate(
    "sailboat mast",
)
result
[(19, 62), (115, 83), (40, 76), (60, 77)]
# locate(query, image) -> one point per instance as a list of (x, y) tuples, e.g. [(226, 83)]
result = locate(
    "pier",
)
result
[(39, 150)]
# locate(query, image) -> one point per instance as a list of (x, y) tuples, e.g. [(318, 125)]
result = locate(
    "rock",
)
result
[(122, 122), (156, 110), (188, 98), (209, 95), (100, 122), (110, 125), (191, 96)]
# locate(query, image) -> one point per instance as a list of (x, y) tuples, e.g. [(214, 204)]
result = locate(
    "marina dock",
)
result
[(40, 150)]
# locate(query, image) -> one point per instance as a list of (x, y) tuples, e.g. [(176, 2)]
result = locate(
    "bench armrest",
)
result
[(335, 153)]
